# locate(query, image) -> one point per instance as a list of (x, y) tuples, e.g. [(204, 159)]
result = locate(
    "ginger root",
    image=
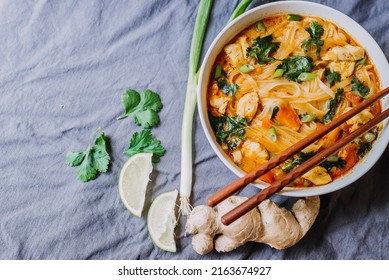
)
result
[(268, 223)]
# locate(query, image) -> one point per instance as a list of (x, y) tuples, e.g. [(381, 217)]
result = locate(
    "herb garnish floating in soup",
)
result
[(282, 79)]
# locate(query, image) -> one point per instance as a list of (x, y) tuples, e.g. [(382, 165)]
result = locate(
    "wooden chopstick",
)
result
[(240, 183), (255, 200)]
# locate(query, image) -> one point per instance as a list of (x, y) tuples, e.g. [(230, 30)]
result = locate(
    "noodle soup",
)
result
[(280, 80)]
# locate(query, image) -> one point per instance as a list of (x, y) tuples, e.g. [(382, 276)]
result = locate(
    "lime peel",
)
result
[(133, 181), (161, 221)]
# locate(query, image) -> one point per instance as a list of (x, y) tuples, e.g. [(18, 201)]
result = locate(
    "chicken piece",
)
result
[(254, 150), (236, 53), (237, 156), (318, 176), (359, 119), (347, 52), (345, 68), (248, 105), (219, 102)]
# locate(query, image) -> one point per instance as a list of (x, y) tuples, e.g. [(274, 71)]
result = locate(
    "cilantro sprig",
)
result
[(92, 161), (142, 107), (143, 142)]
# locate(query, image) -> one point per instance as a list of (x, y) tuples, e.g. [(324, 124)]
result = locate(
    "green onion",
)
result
[(246, 68), (240, 9), (303, 77), (308, 118), (218, 71), (288, 166), (203, 13), (273, 134), (278, 73), (190, 105), (361, 61), (369, 137), (294, 18), (291, 184), (261, 26), (333, 158), (272, 155), (306, 182)]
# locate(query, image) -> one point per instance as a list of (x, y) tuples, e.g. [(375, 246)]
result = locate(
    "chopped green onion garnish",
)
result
[(308, 118), (278, 73), (273, 134), (306, 182), (288, 166), (333, 158), (272, 155), (218, 71), (291, 184), (246, 68), (261, 26), (303, 77), (369, 137), (361, 61), (294, 18)]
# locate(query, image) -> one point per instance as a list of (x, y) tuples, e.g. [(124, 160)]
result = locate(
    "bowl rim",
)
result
[(240, 23)]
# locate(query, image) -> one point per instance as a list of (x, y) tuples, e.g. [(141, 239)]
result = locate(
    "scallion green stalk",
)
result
[(294, 18), (240, 9), (303, 77), (246, 68), (203, 13), (273, 134)]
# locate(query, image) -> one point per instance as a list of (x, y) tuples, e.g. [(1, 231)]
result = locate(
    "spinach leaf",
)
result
[(332, 104), (228, 89), (331, 77), (316, 31), (358, 87), (363, 149), (262, 48), (294, 66), (228, 130)]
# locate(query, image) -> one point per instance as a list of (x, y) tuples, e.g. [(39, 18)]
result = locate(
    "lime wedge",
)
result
[(161, 221), (133, 180)]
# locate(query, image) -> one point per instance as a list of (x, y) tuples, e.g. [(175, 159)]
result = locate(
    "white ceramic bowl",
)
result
[(301, 8)]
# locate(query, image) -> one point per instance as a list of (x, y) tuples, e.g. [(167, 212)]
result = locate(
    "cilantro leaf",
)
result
[(86, 172), (316, 31), (359, 88), (143, 142), (95, 159), (294, 66), (332, 104), (74, 158), (142, 107), (99, 156), (331, 77), (262, 48), (228, 130)]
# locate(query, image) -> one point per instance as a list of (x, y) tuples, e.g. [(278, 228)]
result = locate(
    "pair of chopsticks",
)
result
[(277, 186)]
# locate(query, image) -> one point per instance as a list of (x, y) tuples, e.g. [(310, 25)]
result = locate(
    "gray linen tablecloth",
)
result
[(63, 68)]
